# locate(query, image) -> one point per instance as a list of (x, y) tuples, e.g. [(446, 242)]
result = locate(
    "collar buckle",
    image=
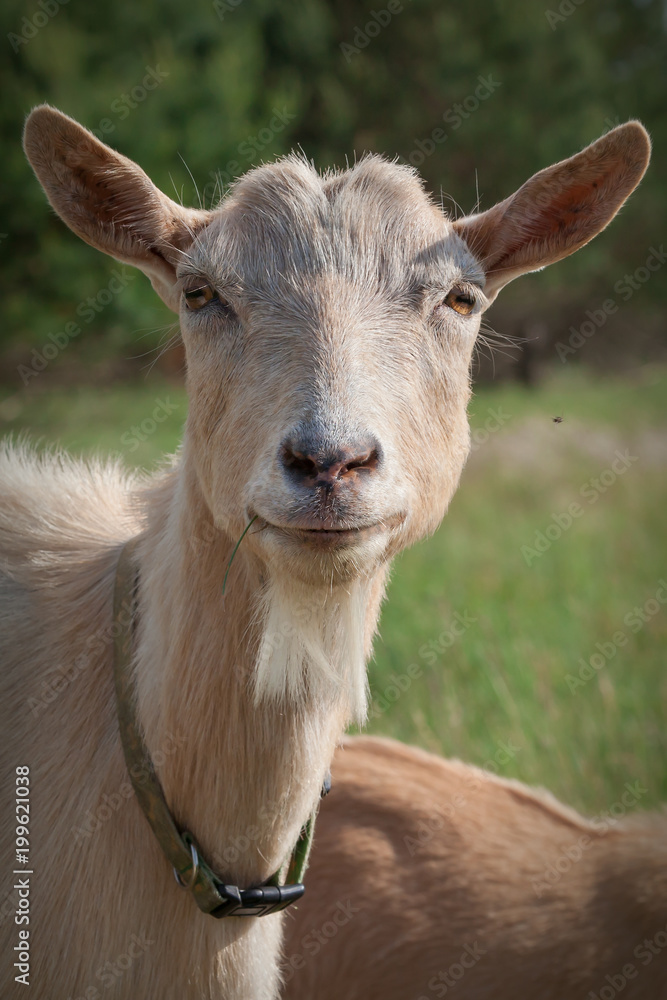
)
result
[(257, 902)]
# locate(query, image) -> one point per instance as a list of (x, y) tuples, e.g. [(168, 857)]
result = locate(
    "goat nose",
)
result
[(315, 465)]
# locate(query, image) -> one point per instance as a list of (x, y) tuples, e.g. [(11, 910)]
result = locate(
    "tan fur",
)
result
[(333, 320), (419, 861)]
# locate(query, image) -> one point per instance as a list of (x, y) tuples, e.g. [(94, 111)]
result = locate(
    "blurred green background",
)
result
[(478, 97)]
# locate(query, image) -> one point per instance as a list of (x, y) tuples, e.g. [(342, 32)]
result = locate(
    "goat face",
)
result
[(329, 325)]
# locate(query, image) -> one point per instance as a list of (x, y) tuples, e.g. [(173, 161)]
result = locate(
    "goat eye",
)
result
[(460, 301), (197, 298)]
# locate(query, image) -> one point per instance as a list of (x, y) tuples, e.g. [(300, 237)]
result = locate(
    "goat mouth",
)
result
[(330, 536)]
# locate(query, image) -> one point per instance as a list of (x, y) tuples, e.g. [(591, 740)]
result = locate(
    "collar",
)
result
[(211, 894)]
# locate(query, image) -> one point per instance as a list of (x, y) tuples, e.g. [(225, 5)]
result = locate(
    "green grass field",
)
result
[(516, 687)]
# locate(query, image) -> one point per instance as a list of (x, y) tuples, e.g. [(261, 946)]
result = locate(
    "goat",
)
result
[(328, 323), (430, 878)]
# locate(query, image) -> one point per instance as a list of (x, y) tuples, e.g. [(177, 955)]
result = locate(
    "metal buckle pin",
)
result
[(195, 869)]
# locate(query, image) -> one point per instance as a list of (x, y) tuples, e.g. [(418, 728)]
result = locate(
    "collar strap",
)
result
[(212, 895)]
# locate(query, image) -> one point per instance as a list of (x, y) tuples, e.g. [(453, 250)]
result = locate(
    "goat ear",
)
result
[(559, 209), (108, 200)]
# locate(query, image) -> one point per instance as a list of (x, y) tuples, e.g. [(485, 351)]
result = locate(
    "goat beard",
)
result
[(312, 645)]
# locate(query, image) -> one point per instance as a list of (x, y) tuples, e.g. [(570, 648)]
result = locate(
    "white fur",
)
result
[(313, 645)]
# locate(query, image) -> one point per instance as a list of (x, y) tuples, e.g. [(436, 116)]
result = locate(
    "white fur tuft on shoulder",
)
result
[(53, 502)]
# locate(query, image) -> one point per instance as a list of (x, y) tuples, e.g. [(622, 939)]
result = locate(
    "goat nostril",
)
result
[(368, 461), (301, 464)]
